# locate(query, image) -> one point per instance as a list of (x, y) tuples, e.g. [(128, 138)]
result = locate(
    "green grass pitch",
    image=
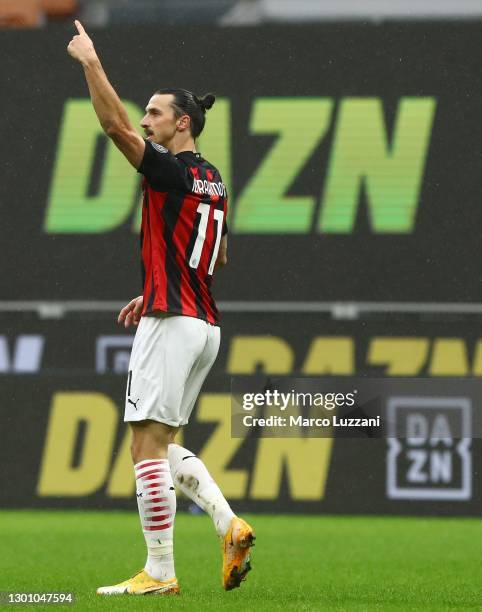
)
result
[(299, 562)]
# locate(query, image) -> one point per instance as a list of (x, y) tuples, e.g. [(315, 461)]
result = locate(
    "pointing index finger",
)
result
[(79, 26)]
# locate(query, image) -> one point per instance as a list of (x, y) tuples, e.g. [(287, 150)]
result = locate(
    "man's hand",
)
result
[(222, 258), (131, 314), (108, 106), (81, 47)]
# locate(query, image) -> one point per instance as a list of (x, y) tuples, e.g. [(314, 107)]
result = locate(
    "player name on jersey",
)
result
[(209, 188)]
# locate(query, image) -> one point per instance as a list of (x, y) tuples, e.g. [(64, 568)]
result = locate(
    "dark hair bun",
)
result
[(207, 101)]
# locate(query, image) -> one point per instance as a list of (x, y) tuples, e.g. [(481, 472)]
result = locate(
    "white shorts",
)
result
[(171, 357)]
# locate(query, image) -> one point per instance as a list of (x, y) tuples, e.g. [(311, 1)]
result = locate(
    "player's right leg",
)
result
[(191, 476)]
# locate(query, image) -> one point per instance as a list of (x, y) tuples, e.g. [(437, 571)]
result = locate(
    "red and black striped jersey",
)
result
[(183, 218)]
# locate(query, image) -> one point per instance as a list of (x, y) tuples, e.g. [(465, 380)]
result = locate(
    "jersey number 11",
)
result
[(203, 210)]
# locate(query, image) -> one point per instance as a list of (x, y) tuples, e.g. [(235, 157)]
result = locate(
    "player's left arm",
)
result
[(108, 106)]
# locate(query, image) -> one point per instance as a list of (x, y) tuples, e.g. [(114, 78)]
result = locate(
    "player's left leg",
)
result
[(152, 409), (156, 500)]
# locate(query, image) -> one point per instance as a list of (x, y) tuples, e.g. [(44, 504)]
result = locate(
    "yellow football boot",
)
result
[(141, 584), (236, 559)]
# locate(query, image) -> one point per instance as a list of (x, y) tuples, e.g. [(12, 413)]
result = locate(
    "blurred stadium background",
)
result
[(348, 134)]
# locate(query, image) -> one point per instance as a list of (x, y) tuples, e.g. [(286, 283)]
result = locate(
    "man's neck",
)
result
[(177, 146)]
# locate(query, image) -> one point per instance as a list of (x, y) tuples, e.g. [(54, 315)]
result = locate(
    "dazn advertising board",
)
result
[(63, 385), (351, 155)]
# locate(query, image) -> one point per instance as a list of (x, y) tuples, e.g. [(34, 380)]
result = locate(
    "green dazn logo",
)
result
[(300, 124), (392, 173), (71, 209), (361, 154)]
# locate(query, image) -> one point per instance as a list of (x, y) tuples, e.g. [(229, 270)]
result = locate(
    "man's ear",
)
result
[(184, 123)]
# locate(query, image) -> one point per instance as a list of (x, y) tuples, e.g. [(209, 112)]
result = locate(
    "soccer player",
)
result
[(183, 241)]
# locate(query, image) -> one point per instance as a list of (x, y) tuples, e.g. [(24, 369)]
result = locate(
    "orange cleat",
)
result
[(141, 584), (236, 548)]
